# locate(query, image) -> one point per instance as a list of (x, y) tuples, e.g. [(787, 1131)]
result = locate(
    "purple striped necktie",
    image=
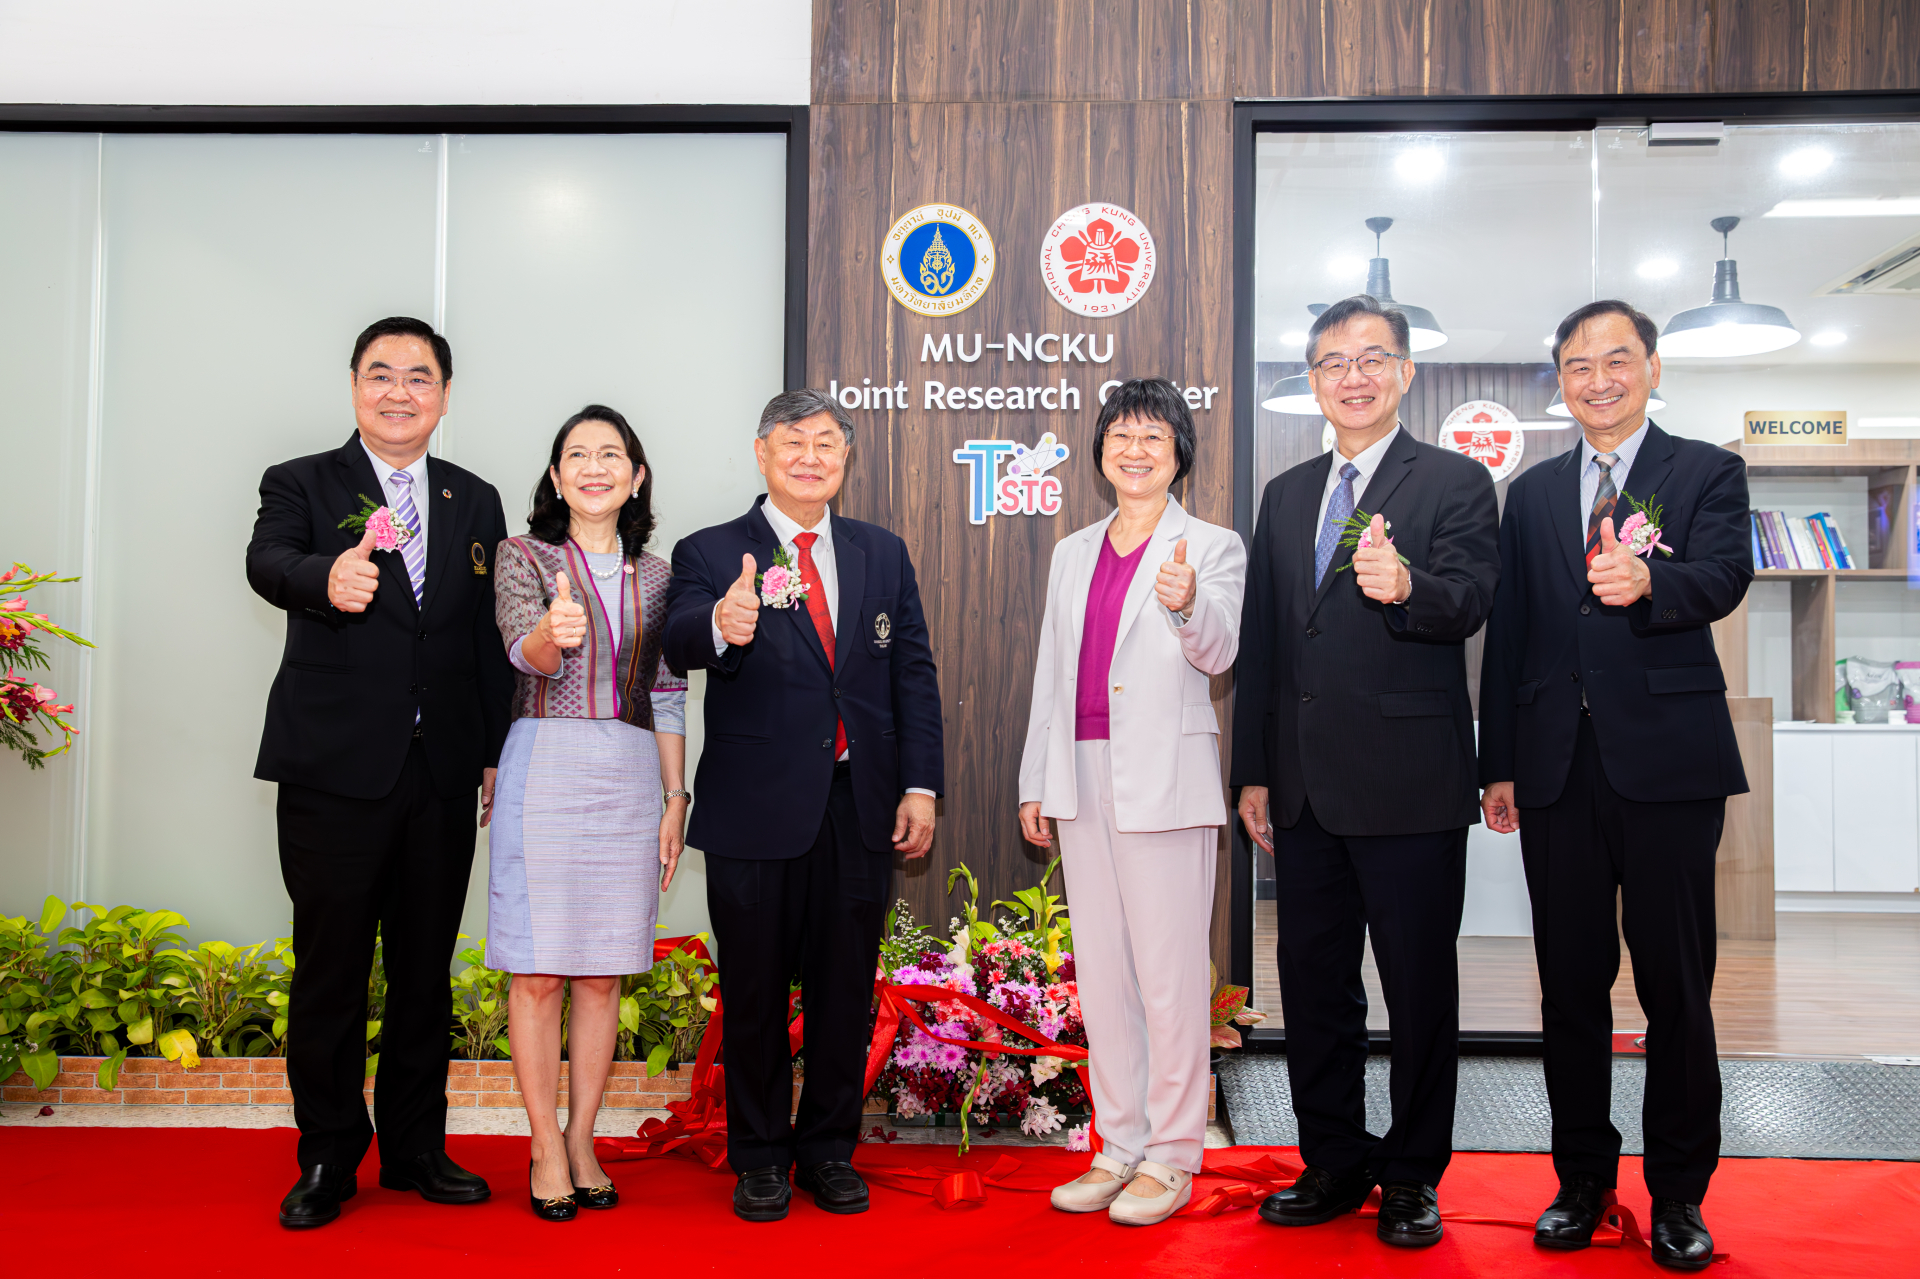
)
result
[(415, 551)]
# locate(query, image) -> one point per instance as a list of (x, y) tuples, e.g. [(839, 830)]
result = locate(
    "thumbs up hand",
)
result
[(738, 611), (1377, 566), (353, 578), (1617, 575), (1177, 582), (565, 625)]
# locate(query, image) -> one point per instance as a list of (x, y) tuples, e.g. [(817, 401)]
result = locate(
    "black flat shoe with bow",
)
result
[(607, 1196), (564, 1208)]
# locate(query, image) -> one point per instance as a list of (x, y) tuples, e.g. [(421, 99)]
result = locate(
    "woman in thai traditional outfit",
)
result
[(589, 812)]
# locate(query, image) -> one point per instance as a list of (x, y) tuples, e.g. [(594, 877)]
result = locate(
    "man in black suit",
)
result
[(1353, 747), (823, 757), (1616, 772), (389, 709)]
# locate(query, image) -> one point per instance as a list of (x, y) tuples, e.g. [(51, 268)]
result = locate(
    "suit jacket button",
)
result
[(1306, 697), (827, 745), (1312, 633), (422, 635), (836, 692), (1584, 610), (412, 690), (1574, 676)]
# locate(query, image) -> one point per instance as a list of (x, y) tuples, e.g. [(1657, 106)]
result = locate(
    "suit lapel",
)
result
[(1568, 520), (1159, 549), (1651, 467), (850, 565), (362, 480), (1086, 557), (443, 526), (1306, 515), (801, 620)]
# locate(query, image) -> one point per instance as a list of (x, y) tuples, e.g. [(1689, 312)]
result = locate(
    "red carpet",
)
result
[(201, 1201)]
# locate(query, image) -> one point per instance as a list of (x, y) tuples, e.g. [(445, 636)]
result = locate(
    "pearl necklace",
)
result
[(616, 570)]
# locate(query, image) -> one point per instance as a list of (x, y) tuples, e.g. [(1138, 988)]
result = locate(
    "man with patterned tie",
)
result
[(1353, 746), (388, 713), (823, 757), (1606, 741)]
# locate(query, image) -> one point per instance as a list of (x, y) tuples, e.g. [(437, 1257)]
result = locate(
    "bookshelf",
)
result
[(1889, 467)]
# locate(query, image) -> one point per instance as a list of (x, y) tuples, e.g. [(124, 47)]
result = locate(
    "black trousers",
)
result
[(1406, 893), (1578, 851), (816, 917), (399, 864)]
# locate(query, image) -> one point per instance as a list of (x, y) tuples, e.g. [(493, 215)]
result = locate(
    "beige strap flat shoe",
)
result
[(1082, 1196), (1142, 1210)]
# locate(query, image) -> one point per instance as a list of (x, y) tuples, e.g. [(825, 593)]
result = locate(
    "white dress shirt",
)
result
[(786, 528), (1367, 461), (418, 470), (1590, 476)]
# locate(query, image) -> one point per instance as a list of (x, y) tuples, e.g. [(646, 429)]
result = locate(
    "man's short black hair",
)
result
[(1148, 399), (1348, 309), (404, 326), (1649, 332)]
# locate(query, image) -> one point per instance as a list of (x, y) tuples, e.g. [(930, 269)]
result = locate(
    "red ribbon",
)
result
[(696, 1127)]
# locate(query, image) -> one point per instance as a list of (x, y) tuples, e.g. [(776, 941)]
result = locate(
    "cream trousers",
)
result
[(1141, 906)]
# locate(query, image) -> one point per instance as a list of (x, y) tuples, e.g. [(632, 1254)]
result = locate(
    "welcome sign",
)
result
[(1776, 426)]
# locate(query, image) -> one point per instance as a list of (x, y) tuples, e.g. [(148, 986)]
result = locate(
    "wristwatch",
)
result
[(679, 794)]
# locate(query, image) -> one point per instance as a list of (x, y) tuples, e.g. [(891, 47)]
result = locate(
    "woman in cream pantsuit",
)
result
[(1123, 752)]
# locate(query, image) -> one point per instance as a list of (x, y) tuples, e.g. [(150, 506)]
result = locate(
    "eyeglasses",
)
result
[(413, 383), (609, 458), (1371, 365), (1151, 441)]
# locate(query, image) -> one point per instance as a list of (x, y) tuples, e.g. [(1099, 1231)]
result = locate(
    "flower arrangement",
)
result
[(1357, 534), (389, 534), (1640, 533), (781, 586), (1021, 965), (24, 704)]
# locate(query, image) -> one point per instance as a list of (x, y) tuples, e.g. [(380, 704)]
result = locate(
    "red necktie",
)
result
[(822, 619)]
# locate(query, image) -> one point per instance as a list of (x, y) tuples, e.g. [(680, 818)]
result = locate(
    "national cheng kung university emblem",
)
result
[(1097, 259), (1487, 432), (937, 260)]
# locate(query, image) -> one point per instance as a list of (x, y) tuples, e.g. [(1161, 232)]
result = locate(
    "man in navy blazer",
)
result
[(822, 758), (1606, 741)]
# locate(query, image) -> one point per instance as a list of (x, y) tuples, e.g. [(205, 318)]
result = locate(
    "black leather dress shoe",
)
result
[(438, 1179), (1318, 1196), (762, 1195), (1679, 1237), (835, 1187), (316, 1198), (1409, 1214), (607, 1196), (1569, 1220)]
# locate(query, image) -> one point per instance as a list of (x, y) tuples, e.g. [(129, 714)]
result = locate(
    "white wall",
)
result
[(404, 52)]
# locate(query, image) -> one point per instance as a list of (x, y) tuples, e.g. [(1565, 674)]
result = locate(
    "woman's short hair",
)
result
[(551, 519), (1147, 399)]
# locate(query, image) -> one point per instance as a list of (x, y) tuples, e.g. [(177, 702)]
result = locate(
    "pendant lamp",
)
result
[(1727, 326), (1295, 394), (1557, 407), (1424, 332)]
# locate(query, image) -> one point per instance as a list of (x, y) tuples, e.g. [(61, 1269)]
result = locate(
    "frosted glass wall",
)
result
[(642, 271)]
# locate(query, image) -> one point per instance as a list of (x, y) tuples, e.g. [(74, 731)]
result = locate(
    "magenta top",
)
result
[(1111, 576)]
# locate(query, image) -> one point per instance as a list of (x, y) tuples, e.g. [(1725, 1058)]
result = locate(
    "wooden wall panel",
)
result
[(1034, 51), (1017, 167), (1362, 48)]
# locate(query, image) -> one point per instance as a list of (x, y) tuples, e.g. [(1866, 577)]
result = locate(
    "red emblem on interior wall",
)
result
[(1102, 260), (1487, 432), (1097, 259)]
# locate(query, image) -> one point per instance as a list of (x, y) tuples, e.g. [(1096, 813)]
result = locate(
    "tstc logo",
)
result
[(1026, 488)]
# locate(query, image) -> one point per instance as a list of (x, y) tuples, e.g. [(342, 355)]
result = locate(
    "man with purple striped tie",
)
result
[(387, 715)]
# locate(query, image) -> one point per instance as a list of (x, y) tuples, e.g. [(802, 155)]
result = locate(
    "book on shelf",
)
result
[(1782, 541)]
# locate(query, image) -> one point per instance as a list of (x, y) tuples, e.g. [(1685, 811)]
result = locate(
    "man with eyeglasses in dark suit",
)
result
[(1353, 746)]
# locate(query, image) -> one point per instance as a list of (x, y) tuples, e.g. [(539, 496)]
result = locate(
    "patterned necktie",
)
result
[(1339, 511), (415, 551), (822, 619), (1604, 500)]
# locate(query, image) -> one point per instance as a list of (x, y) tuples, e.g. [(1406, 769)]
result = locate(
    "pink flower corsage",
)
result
[(389, 534), (1358, 534), (781, 586), (1640, 533)]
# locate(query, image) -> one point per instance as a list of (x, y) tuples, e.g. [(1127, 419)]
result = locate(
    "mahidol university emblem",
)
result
[(937, 260), (1097, 259), (1487, 432)]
